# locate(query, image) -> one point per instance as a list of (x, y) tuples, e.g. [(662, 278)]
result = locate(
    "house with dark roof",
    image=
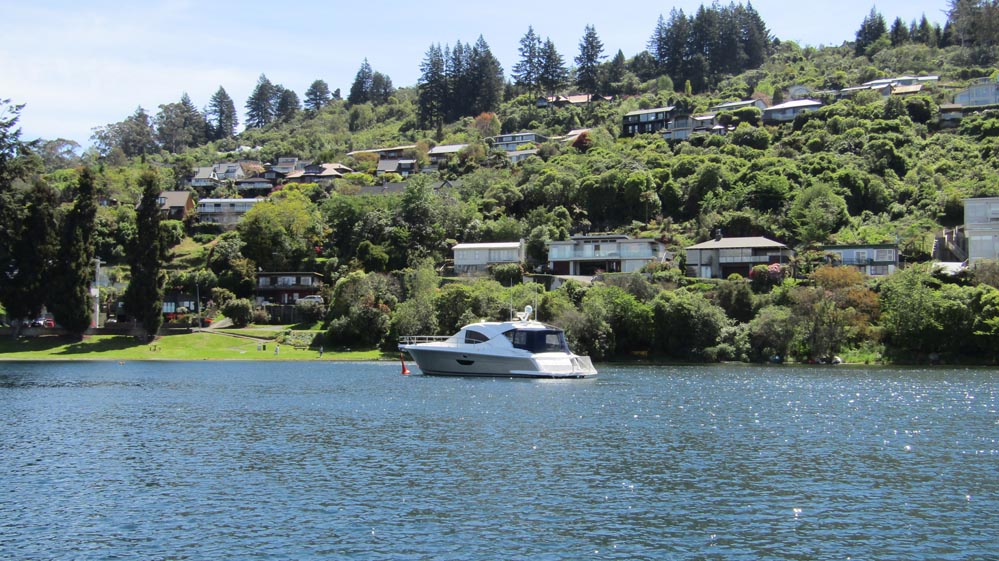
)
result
[(323, 174), (720, 257), (647, 120), (176, 205)]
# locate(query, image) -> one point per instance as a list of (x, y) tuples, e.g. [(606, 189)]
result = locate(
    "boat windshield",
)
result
[(538, 340)]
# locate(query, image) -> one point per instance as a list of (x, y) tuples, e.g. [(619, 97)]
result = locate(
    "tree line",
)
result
[(47, 249)]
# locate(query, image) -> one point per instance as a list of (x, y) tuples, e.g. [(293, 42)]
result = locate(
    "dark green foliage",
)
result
[(591, 52), (260, 109), (686, 324), (507, 274), (736, 298), (28, 259), (144, 295), (70, 301), (239, 310), (132, 137), (180, 125), (872, 29), (317, 96), (221, 116), (527, 71)]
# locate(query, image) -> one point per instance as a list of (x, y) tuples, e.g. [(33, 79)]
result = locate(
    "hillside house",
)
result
[(511, 142), (254, 186), (736, 105), (322, 174), (476, 258), (786, 112), (871, 259), (440, 154), (176, 205), (392, 153), (224, 212), (721, 257), (588, 255), (984, 91), (210, 177), (286, 287), (647, 120), (981, 228)]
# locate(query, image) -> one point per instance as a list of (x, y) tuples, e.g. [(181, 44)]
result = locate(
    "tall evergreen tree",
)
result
[(260, 106), (755, 37), (134, 136), (591, 52), (486, 73), (460, 84), (360, 90), (180, 125), (381, 88), (317, 96), (553, 74), (899, 33), (871, 29), (527, 71), (28, 260), (221, 115), (658, 45), (144, 295), (287, 105), (70, 300), (433, 89), (677, 46)]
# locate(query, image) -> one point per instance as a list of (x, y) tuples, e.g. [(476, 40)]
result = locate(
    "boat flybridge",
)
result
[(523, 348)]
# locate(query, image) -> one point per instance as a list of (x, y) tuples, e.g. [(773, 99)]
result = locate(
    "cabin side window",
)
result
[(474, 337)]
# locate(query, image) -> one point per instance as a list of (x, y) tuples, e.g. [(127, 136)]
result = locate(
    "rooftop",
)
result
[(738, 243)]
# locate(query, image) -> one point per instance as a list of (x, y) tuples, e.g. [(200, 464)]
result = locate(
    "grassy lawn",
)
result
[(188, 346)]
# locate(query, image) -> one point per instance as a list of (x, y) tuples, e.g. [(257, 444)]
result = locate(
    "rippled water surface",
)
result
[(354, 461)]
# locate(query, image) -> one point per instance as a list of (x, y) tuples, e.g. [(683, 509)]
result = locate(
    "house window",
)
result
[(879, 270), (884, 255), (860, 256)]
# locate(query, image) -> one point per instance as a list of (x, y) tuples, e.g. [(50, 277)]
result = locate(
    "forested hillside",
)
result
[(864, 168)]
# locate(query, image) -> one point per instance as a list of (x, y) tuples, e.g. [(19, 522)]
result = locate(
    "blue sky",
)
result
[(79, 65)]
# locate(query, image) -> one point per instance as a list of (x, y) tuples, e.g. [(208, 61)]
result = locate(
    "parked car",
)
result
[(311, 298), (49, 322)]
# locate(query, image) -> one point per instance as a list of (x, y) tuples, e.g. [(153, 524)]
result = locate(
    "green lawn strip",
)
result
[(189, 346)]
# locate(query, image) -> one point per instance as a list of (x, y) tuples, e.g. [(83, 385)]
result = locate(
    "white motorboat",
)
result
[(523, 349)]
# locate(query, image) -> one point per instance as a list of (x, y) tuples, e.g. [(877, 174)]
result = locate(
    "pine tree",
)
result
[(658, 45), (899, 33), (260, 105), (317, 96), (144, 295), (588, 61), (460, 85), (486, 73), (29, 257), (381, 89), (221, 115), (677, 46), (755, 37), (180, 125), (553, 73), (526, 72), (433, 89), (360, 90), (70, 300), (871, 29), (287, 105)]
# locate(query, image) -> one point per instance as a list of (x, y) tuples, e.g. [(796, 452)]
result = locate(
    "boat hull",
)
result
[(448, 362)]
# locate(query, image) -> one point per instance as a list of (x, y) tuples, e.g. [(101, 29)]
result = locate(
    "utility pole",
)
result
[(95, 291)]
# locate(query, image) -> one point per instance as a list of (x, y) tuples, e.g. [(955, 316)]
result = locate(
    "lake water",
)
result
[(208, 460)]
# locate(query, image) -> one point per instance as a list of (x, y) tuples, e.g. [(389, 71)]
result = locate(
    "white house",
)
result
[(788, 111), (984, 91), (226, 212), (475, 258), (593, 253), (981, 228), (871, 259), (720, 257)]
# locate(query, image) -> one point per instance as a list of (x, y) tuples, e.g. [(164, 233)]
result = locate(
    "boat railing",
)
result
[(416, 339)]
